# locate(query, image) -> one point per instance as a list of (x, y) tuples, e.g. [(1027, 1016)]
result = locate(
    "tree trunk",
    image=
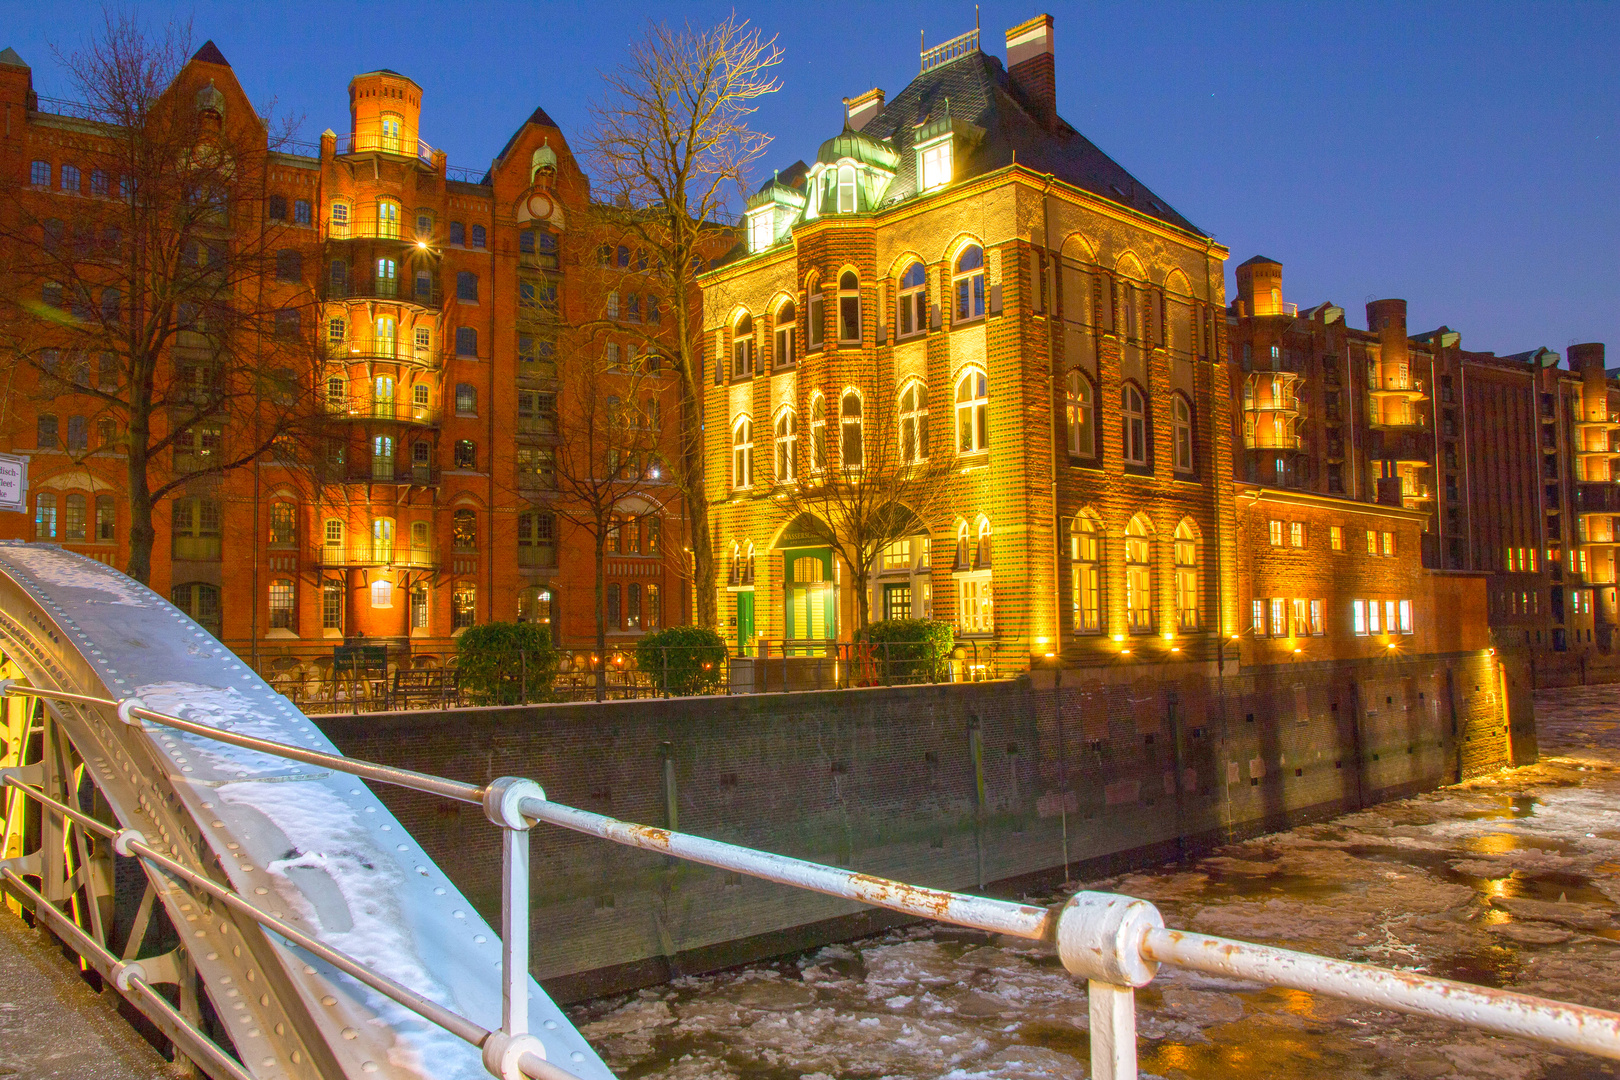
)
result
[(863, 599), (601, 610), (704, 605), (142, 534)]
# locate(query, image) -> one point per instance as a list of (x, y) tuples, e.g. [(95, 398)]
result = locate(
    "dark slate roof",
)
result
[(1261, 259), (981, 95), (537, 117), (10, 58), (792, 176), (210, 54)]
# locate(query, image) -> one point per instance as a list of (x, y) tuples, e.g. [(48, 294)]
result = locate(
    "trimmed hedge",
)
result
[(506, 663), (683, 660), (908, 650)]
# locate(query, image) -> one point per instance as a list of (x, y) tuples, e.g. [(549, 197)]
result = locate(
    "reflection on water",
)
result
[(1503, 884)]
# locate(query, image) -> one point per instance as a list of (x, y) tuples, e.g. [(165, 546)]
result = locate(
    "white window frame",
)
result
[(913, 421), (787, 446), (742, 453), (1133, 425), (972, 411)]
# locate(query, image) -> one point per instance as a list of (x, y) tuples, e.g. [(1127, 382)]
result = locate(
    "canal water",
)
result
[(1509, 881)]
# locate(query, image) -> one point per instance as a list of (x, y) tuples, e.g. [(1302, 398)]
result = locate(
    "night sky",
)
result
[(1465, 157)]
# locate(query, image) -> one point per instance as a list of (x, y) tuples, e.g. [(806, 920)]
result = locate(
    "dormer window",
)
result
[(846, 189), (936, 164), (761, 230)]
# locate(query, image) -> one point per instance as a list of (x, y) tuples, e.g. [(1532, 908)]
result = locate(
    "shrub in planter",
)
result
[(907, 650), (683, 659), (504, 663)]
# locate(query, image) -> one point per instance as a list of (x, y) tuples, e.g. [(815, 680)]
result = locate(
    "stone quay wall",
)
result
[(999, 787)]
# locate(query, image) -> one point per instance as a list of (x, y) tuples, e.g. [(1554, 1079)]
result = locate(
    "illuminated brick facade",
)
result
[(429, 503)]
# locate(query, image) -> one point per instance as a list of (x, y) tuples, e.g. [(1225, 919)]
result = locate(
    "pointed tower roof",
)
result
[(210, 54), (537, 117), (9, 58)]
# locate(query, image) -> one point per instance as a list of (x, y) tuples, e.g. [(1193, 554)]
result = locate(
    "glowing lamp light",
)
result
[(1169, 637), (1050, 655), (422, 244), (1298, 651), (1392, 644), (1124, 652), (1119, 638), (1175, 648)]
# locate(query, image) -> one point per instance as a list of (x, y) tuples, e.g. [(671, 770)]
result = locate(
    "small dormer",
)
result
[(851, 175), (771, 213), (934, 143), (211, 102), (543, 166)]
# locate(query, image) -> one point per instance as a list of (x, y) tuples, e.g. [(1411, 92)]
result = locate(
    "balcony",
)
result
[(1612, 423), (403, 556), (396, 412), (383, 350), (1393, 389), (1402, 447), (378, 142), (365, 223), (536, 556), (388, 289), (1596, 499), (1272, 411), (382, 472)]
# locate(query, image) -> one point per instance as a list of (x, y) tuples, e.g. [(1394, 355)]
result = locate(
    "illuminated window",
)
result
[(340, 219), (281, 604), (849, 307), (1181, 430), (1279, 617), (1389, 543), (787, 446), (818, 433), (742, 348), (1302, 618), (463, 605), (1276, 531), (936, 165), (1133, 423), (972, 412), (852, 444), (1186, 556), (968, 284), (914, 422), (1296, 534), (785, 353), (1336, 537), (1372, 542), (44, 516), (1317, 629), (846, 189), (742, 453), (1138, 576), (331, 605), (761, 230), (1257, 618), (1085, 554), (382, 593), (283, 523), (913, 310), (1406, 616), (1374, 623), (1079, 414), (818, 314), (387, 219)]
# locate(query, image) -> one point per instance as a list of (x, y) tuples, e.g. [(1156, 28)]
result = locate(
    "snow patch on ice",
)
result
[(58, 568)]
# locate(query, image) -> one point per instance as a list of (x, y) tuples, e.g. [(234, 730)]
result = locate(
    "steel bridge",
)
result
[(208, 852)]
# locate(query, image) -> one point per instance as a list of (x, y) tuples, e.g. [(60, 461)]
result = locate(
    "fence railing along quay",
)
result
[(1115, 942)]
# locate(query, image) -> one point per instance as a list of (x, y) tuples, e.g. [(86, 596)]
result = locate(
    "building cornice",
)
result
[(1258, 493)]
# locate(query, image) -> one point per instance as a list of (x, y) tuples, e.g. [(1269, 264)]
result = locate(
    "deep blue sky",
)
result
[(1464, 156)]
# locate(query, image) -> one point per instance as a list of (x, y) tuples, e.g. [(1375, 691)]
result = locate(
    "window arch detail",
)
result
[(1080, 414), (1139, 575), (972, 411), (1086, 544)]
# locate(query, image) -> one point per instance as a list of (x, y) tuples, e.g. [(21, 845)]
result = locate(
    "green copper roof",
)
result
[(850, 143)]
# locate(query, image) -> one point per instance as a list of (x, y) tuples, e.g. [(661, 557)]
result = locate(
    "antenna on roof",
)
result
[(975, 18)]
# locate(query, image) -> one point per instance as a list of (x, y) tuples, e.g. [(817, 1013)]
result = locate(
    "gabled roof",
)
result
[(210, 54), (10, 58), (981, 96), (1261, 260), (538, 117)]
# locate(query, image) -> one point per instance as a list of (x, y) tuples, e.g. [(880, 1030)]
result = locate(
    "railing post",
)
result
[(1099, 939), (1113, 1031), (503, 801)]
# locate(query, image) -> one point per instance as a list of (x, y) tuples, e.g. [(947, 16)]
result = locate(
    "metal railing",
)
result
[(376, 141), (1115, 942), (397, 409)]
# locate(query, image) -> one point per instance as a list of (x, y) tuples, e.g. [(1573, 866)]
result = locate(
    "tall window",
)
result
[(196, 529), (332, 535), (849, 307), (382, 540), (1138, 576), (817, 329), (106, 518), (281, 604), (476, 236), (1133, 423), (972, 412), (331, 605), (742, 348), (851, 446), (283, 519), (464, 530), (387, 219), (1079, 414), (974, 608), (467, 286), (44, 516), (463, 604), (1181, 432), (537, 539), (936, 165), (200, 600), (968, 284), (466, 341), (387, 278), (742, 453), (913, 316), (818, 433), (787, 446), (1186, 554), (46, 432), (382, 593), (466, 399), (914, 422), (846, 189), (1085, 574), (784, 354)]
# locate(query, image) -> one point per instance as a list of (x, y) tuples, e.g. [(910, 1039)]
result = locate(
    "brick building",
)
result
[(438, 299)]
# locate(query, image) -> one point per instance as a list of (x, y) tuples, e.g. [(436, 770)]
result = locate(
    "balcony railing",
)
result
[(1597, 498), (399, 412), (382, 472), (423, 294), (369, 224), (377, 142), (380, 349), (196, 548), (409, 556)]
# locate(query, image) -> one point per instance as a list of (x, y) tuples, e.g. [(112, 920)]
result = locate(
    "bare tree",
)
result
[(669, 146), (868, 485), (159, 294), (609, 456)]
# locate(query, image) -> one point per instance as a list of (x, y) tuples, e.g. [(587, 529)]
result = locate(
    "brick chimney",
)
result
[(1031, 67), (1586, 360), (859, 110)]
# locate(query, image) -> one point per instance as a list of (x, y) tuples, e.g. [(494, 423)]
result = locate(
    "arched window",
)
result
[(1079, 411), (784, 354), (913, 318), (981, 554), (972, 412), (1139, 576), (477, 238), (1085, 573), (467, 286), (787, 446), (1133, 424), (851, 445), (283, 524), (387, 219), (742, 348), (382, 540), (420, 531), (390, 132), (914, 422), (340, 218), (968, 283), (464, 530), (78, 433), (849, 307), (818, 433), (963, 559), (420, 396), (332, 534), (46, 431), (1182, 433), (973, 585), (817, 328), (846, 189), (1186, 553), (742, 453)]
